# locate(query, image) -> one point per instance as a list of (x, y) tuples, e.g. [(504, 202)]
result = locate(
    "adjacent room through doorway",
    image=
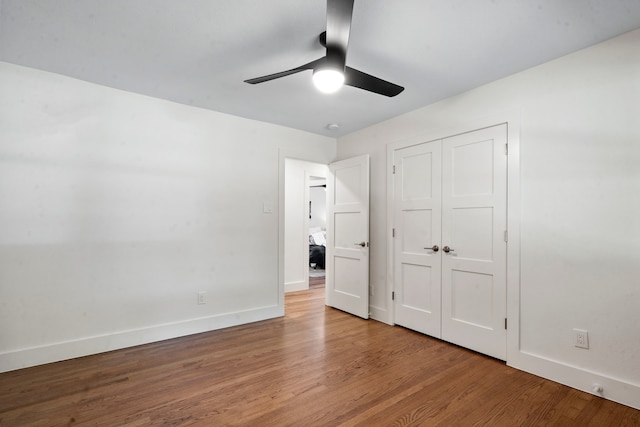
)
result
[(304, 225), (317, 230)]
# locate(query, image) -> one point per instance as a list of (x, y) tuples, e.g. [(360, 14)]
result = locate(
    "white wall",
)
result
[(296, 223), (318, 198), (116, 209), (578, 209)]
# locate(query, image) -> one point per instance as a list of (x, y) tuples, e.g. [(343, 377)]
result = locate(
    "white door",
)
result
[(452, 194), (417, 265), (474, 224), (347, 254)]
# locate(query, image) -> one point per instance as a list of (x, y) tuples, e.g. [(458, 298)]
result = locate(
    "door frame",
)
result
[(283, 154), (300, 180), (513, 120)]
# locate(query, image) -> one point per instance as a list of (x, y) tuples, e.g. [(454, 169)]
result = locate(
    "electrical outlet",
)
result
[(581, 338), (202, 297)]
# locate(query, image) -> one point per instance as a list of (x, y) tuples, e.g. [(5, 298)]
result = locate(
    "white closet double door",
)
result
[(449, 206)]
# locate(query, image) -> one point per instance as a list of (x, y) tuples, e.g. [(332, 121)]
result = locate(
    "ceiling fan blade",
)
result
[(309, 66), (339, 14), (355, 78)]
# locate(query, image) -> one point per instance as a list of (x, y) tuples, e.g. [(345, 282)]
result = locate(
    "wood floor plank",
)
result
[(316, 366)]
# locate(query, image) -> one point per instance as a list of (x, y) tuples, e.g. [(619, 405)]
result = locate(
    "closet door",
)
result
[(474, 182), (417, 269)]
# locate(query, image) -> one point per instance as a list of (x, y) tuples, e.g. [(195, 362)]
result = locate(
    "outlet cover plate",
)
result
[(202, 297), (581, 338)]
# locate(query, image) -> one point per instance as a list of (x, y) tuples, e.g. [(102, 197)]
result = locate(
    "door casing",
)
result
[(513, 119)]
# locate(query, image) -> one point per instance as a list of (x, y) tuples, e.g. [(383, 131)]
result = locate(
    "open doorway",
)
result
[(317, 231), (347, 231), (304, 217)]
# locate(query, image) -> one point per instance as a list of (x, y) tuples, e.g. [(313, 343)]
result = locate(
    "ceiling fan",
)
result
[(330, 72)]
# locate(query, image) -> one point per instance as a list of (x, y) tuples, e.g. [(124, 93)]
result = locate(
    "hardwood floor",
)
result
[(316, 282), (315, 366)]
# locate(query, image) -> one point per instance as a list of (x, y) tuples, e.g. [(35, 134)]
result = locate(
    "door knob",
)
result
[(363, 244), (447, 249), (434, 248)]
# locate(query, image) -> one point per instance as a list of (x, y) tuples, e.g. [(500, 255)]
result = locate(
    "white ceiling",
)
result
[(198, 52)]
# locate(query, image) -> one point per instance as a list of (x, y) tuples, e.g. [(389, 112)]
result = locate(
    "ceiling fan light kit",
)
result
[(328, 80), (330, 72)]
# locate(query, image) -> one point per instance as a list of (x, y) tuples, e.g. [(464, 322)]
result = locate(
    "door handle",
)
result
[(447, 249), (434, 248), (363, 244)]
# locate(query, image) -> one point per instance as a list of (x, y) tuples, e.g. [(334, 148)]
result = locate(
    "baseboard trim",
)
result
[(24, 358), (296, 286), (380, 314), (614, 389)]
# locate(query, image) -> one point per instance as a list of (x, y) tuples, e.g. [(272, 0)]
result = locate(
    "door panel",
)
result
[(347, 261), (473, 224), (417, 297), (471, 165), (419, 221), (417, 210), (472, 230), (347, 229), (347, 184), (347, 269), (471, 300)]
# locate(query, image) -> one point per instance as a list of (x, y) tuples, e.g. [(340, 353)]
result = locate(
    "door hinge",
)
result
[(506, 149), (506, 236), (505, 323), (393, 169), (393, 232), (393, 295)]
